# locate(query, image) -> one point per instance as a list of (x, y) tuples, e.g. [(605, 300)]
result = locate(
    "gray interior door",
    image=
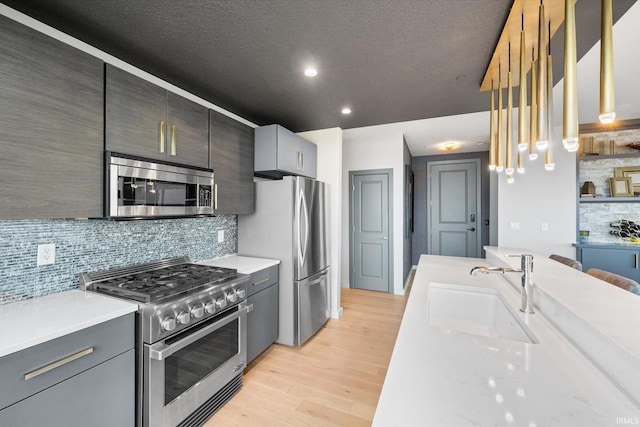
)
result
[(370, 231), (454, 208)]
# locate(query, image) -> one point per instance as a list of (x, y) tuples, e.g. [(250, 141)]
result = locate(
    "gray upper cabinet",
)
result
[(51, 127), (231, 145), (280, 152), (145, 120)]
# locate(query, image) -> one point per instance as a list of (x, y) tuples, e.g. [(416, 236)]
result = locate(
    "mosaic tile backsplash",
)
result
[(597, 217), (90, 245)]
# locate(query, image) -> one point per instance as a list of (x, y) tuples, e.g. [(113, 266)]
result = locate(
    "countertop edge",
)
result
[(244, 264), (52, 316)]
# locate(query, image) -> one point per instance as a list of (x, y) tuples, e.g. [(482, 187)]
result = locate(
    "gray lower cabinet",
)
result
[(51, 127), (145, 120), (84, 378), (624, 261), (280, 152), (262, 321), (231, 146)]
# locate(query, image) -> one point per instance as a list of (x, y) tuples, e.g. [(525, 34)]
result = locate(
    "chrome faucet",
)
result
[(526, 268)]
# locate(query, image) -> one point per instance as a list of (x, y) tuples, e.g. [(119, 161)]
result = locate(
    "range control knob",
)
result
[(241, 293), (210, 307), (221, 302), (183, 318), (168, 324), (232, 297), (197, 312)]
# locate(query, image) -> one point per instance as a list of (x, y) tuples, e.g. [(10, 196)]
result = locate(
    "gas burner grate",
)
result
[(164, 282)]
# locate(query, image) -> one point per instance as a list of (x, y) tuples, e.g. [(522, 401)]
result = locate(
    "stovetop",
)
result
[(165, 282), (172, 294)]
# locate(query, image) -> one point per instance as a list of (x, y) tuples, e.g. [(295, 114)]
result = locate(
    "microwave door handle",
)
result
[(161, 351)]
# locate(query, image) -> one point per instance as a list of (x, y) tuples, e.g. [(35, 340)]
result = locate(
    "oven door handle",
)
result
[(161, 351)]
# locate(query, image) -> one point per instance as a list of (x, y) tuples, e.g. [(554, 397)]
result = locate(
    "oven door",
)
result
[(183, 372)]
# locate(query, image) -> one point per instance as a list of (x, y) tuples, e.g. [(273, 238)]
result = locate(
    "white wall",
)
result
[(536, 197), (374, 147), (329, 142)]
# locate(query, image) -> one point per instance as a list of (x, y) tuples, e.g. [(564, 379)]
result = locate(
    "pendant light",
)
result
[(570, 136), (500, 140), (548, 158), (509, 140), (520, 166), (533, 110), (543, 138), (607, 92), (492, 134), (522, 98)]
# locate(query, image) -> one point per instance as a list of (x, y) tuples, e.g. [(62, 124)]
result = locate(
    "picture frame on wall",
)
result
[(631, 172), (621, 187)]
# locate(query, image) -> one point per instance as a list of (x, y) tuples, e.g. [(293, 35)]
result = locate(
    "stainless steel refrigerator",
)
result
[(290, 224)]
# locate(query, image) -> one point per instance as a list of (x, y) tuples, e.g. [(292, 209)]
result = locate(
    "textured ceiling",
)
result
[(389, 60)]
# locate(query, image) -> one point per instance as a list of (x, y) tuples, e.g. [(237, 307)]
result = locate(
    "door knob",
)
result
[(471, 229)]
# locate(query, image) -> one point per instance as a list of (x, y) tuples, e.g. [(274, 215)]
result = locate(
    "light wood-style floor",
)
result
[(334, 379)]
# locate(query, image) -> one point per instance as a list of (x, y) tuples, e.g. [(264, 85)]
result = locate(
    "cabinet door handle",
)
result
[(174, 142), (215, 196), (636, 261), (161, 140), (302, 160), (260, 282), (58, 363)]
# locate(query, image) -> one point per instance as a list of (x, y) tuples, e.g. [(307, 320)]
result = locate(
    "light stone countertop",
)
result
[(31, 322), (245, 265), (437, 377)]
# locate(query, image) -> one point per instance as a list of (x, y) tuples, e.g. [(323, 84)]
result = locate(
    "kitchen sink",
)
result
[(476, 311)]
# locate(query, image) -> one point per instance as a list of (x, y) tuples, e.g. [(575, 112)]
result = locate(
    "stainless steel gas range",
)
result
[(190, 336)]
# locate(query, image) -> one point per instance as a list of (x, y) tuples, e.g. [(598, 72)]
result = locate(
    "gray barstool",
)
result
[(567, 261), (615, 279)]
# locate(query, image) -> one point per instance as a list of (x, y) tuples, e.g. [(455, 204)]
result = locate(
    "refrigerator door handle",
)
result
[(302, 248)]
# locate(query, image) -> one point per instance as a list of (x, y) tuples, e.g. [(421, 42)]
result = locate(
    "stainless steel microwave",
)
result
[(141, 188)]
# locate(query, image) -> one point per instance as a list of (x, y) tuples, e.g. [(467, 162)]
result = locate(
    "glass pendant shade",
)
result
[(607, 92), (542, 133), (570, 136), (522, 99)]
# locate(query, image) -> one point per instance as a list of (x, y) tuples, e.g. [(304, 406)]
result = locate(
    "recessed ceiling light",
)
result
[(346, 110), (310, 72)]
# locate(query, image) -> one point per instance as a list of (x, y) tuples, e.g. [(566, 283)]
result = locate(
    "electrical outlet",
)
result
[(544, 226), (514, 226), (47, 254), (220, 236)]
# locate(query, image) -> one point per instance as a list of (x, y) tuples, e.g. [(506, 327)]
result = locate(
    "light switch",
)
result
[(544, 226), (220, 236), (514, 226)]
